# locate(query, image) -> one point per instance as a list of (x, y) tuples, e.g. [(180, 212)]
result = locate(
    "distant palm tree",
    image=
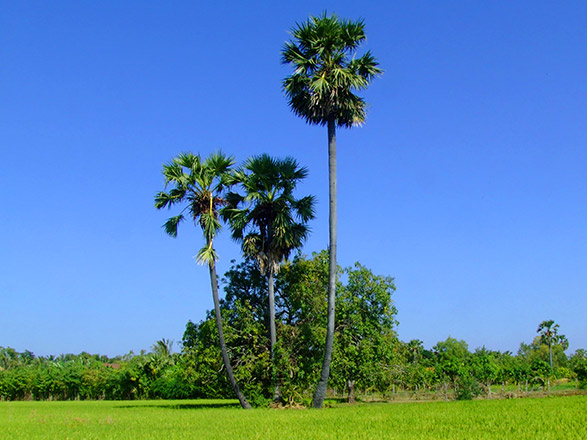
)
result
[(268, 220), (548, 333), (321, 90), (199, 185), (163, 347), (415, 347)]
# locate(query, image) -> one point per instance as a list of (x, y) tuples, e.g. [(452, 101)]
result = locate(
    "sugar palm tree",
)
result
[(321, 90), (199, 185), (268, 220), (548, 333)]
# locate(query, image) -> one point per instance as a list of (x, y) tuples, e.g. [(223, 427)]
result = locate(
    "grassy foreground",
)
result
[(547, 418)]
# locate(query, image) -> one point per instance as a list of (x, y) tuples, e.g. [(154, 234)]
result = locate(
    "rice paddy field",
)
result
[(543, 418)]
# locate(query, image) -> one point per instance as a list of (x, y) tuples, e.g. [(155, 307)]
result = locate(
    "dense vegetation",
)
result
[(368, 356)]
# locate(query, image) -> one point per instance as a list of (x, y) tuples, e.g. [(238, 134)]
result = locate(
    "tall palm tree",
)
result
[(268, 220), (548, 333), (199, 185), (322, 91)]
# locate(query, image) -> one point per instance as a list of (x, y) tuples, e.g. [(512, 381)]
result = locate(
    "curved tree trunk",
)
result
[(320, 392), (272, 335), (229, 372)]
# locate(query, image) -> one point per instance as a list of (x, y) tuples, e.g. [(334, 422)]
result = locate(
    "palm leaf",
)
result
[(170, 225), (206, 255)]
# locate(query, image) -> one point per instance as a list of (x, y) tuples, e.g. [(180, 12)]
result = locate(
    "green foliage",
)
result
[(301, 287), (364, 328), (327, 72), (549, 336), (367, 353), (264, 216), (197, 184), (467, 387), (579, 365)]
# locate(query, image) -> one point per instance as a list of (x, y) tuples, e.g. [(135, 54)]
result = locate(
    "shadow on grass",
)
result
[(174, 405)]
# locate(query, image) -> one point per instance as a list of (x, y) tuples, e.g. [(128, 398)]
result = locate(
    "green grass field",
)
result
[(546, 418)]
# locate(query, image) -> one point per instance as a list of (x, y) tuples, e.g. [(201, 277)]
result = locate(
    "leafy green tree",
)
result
[(452, 359), (541, 372), (365, 339), (301, 285), (485, 367), (199, 185), (201, 359), (268, 220), (189, 338), (578, 363), (366, 314), (9, 358), (321, 90), (548, 332)]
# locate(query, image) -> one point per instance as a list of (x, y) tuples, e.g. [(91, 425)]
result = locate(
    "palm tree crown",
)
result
[(198, 184), (327, 72), (266, 218)]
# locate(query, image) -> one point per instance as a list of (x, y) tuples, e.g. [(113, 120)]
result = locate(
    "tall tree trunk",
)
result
[(550, 353), (272, 335), (320, 391), (229, 372)]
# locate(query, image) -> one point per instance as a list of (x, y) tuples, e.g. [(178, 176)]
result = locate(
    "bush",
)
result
[(467, 388)]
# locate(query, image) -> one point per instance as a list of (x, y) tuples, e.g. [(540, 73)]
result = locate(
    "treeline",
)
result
[(368, 356)]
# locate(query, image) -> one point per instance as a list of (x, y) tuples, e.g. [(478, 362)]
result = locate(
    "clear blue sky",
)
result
[(468, 183)]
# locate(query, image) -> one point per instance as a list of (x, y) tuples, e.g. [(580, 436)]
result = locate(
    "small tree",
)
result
[(366, 317)]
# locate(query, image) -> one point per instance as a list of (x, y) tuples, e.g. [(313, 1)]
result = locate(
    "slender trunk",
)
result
[(272, 335), (351, 385), (229, 372), (550, 353), (320, 391)]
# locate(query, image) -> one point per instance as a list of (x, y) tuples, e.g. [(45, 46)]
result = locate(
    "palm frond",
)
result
[(207, 255), (162, 200), (173, 172), (170, 225)]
